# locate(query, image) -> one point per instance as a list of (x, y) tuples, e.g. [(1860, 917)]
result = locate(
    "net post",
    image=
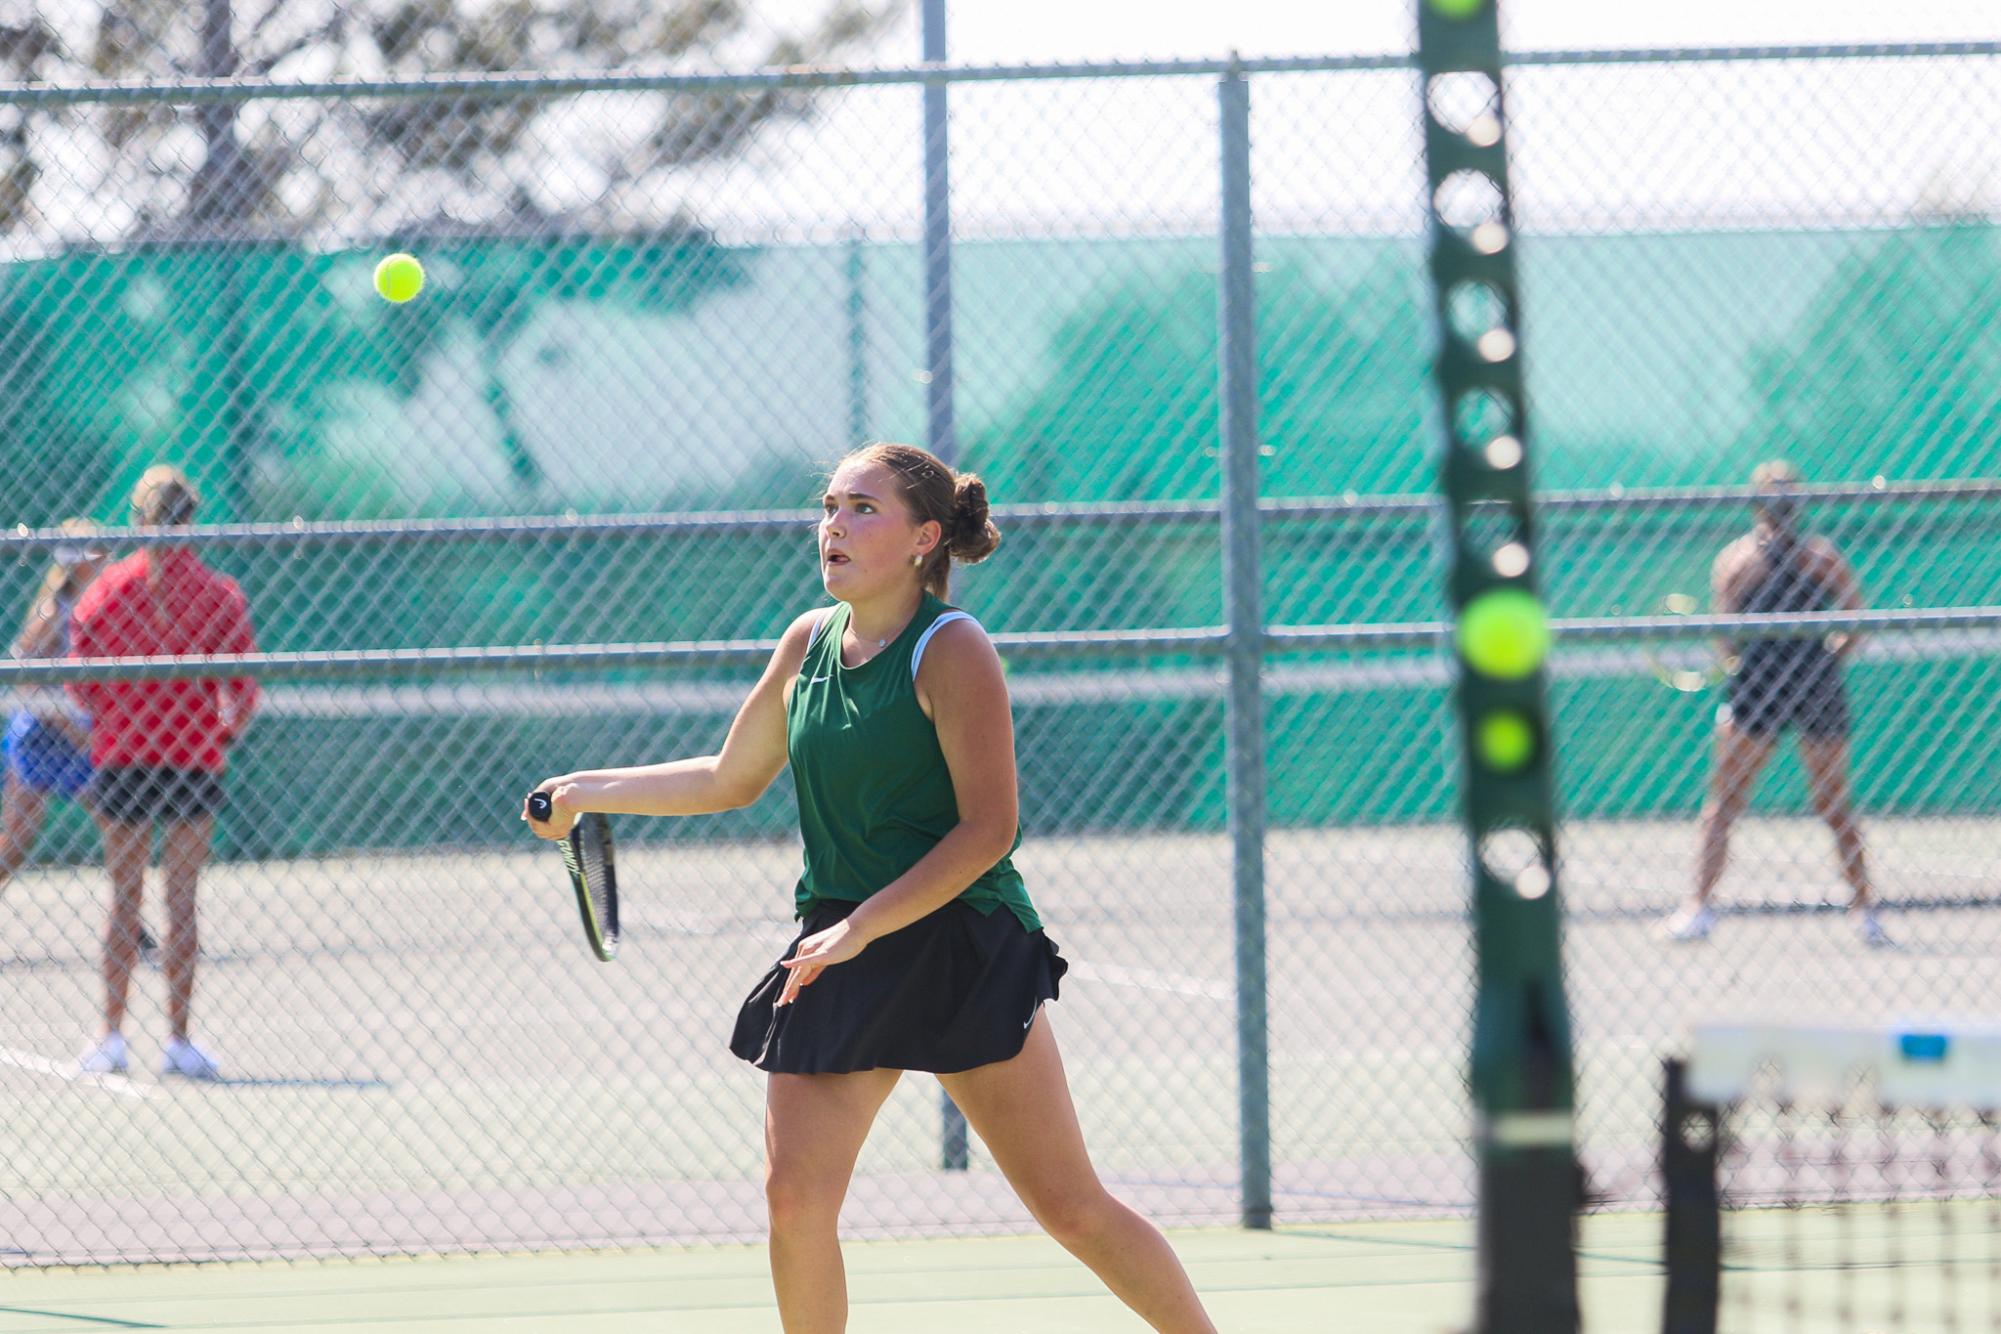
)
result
[(1522, 1077), (1693, 1246), (1238, 391)]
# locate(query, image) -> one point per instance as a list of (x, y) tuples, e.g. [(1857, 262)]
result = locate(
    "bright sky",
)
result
[(1008, 30), (1765, 144), (1611, 147)]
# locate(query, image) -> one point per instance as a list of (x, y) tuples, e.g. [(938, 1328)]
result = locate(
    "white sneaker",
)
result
[(1871, 931), (188, 1061), (106, 1056), (1690, 924)]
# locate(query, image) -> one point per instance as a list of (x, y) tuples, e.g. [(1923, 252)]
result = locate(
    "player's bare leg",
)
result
[(1827, 778), (1740, 755), (125, 849), (22, 810), (1021, 1109), (185, 845), (814, 1126)]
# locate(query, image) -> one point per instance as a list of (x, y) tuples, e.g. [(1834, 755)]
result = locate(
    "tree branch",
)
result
[(263, 65), (264, 21), (106, 60)]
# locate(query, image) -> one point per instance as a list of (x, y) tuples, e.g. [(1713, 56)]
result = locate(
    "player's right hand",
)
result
[(562, 814)]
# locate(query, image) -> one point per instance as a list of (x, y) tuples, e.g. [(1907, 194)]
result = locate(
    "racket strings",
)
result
[(590, 846)]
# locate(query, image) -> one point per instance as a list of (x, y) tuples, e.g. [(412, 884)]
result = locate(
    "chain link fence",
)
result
[(552, 513)]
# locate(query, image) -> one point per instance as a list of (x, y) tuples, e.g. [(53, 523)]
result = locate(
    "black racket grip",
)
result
[(540, 808)]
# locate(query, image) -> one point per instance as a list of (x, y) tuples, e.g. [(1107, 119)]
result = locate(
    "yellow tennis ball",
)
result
[(1458, 9), (1504, 634), (1503, 740), (399, 277)]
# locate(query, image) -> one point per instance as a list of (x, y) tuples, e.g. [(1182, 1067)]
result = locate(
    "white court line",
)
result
[(118, 1084), (1149, 979)]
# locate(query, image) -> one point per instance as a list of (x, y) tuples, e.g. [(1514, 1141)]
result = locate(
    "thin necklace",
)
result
[(880, 644)]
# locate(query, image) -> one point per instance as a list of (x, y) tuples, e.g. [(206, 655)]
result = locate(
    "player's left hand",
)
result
[(817, 953)]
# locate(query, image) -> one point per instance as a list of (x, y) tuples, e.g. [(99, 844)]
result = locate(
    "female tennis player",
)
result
[(1779, 682), (48, 736), (919, 948)]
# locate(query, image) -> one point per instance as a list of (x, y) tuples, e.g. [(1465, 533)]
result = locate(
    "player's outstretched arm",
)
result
[(751, 757)]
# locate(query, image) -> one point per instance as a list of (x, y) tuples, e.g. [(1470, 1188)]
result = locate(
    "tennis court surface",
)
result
[(416, 1060), (1387, 1277)]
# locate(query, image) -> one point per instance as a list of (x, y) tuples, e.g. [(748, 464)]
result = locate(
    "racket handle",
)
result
[(540, 808)]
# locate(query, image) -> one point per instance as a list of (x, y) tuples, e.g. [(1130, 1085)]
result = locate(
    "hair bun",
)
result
[(971, 535)]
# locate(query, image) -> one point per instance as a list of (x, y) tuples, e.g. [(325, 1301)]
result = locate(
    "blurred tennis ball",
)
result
[(398, 278), (1458, 9), (1504, 634), (1503, 740)]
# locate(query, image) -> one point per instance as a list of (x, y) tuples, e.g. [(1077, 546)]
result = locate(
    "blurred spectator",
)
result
[(159, 748)]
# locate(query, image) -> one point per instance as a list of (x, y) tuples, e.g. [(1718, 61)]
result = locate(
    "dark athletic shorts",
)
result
[(1769, 693), (143, 794)]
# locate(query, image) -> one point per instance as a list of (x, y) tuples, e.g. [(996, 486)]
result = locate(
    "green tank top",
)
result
[(874, 792)]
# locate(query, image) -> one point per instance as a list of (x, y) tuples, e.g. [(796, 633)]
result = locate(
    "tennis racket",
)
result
[(1672, 667), (587, 857)]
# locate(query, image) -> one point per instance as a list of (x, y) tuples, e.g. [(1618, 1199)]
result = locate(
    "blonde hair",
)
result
[(61, 574), (934, 493), (164, 498)]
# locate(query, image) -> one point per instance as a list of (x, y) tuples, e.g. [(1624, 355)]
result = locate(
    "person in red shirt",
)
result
[(158, 750)]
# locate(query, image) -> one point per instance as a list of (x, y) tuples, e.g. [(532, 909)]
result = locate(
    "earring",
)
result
[(917, 561)]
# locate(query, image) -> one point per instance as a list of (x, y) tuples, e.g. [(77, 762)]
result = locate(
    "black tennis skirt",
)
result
[(953, 990)]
